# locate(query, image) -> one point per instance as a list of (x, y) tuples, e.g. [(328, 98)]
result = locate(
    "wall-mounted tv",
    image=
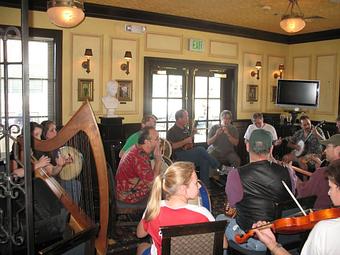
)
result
[(298, 93)]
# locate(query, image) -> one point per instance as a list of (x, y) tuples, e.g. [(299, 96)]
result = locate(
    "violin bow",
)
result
[(293, 197)]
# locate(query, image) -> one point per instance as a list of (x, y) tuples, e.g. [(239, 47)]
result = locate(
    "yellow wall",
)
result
[(110, 39)]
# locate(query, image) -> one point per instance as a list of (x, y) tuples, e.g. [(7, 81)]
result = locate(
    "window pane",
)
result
[(200, 137), (38, 97), (214, 109), (14, 51), (175, 85), (200, 109), (201, 84), (174, 106), (159, 108), (159, 87), (214, 87), (1, 50), (38, 65), (160, 126), (162, 135), (14, 71)]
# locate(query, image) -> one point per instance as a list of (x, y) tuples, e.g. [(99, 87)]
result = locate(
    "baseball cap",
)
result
[(260, 141), (334, 139)]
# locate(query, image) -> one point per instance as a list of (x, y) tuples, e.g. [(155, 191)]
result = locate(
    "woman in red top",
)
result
[(179, 184)]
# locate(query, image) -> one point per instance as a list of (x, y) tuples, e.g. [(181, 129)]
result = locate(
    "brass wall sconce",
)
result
[(280, 74), (126, 66), (256, 73), (86, 63)]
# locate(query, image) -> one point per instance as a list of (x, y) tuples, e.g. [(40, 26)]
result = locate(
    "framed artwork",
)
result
[(124, 90), (85, 89), (252, 91), (274, 91)]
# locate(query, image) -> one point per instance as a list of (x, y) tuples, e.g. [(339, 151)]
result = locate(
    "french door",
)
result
[(203, 89)]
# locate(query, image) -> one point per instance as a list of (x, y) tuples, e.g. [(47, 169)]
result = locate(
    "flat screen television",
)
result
[(298, 93)]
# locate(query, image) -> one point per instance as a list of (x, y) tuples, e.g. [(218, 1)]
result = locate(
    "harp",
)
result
[(87, 196)]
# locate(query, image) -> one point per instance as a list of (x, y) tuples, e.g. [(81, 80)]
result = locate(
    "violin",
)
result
[(293, 225)]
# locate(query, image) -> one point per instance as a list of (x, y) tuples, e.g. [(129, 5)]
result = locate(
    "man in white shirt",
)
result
[(258, 123)]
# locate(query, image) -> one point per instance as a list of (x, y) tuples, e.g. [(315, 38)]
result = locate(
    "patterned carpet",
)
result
[(124, 240)]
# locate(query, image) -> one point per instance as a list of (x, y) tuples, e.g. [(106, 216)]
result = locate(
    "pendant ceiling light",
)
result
[(65, 13), (292, 21)]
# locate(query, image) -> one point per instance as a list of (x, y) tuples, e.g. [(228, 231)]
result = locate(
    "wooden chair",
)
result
[(194, 239), (289, 242)]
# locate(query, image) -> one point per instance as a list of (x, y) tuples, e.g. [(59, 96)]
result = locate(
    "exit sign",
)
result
[(196, 45)]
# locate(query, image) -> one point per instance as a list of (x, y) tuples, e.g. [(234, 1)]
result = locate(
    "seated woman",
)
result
[(49, 131), (179, 184), (43, 162), (323, 239), (73, 187)]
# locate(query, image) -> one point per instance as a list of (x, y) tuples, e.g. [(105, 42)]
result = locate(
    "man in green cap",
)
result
[(252, 189), (317, 184)]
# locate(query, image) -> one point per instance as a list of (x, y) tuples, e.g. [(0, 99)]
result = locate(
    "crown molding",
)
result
[(117, 13)]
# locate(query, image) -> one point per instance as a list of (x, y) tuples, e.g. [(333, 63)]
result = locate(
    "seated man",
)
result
[(147, 121), (182, 144), (221, 140), (311, 138), (134, 176), (317, 184), (258, 123), (254, 188)]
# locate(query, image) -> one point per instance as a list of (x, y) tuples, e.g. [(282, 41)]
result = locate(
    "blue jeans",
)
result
[(200, 157), (252, 243)]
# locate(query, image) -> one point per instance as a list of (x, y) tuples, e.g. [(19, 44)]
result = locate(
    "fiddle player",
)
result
[(317, 183), (323, 239), (254, 188), (311, 137), (222, 139), (179, 136)]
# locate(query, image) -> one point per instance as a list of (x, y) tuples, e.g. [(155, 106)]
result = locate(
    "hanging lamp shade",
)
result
[(65, 13), (292, 21), (292, 24)]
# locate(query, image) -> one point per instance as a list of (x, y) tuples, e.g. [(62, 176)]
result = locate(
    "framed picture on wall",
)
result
[(124, 90), (274, 91), (252, 91), (85, 89)]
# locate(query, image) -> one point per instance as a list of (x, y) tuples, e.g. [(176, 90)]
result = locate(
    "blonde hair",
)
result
[(167, 184)]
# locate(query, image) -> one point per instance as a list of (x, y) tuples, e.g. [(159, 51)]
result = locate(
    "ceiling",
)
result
[(262, 15)]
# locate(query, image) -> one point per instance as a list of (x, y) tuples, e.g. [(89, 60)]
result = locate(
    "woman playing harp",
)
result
[(82, 133)]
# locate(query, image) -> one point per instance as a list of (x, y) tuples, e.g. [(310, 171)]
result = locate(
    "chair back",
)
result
[(194, 239), (203, 198)]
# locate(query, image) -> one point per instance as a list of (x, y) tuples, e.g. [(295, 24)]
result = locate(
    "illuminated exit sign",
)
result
[(196, 45)]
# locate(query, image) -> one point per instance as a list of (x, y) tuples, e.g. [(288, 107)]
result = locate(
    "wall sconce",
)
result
[(126, 67), (256, 73), (86, 63), (280, 74)]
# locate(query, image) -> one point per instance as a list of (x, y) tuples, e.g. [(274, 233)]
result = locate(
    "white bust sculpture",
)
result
[(110, 101)]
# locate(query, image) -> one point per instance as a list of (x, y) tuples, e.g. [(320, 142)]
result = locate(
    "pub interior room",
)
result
[(169, 127)]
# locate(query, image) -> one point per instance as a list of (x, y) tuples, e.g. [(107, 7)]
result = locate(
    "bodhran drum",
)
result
[(71, 170), (203, 198), (165, 147)]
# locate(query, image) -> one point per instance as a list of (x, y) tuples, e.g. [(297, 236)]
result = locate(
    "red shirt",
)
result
[(168, 216), (134, 176)]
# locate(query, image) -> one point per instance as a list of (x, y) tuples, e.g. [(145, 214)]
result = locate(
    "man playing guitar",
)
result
[(305, 142), (179, 136)]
